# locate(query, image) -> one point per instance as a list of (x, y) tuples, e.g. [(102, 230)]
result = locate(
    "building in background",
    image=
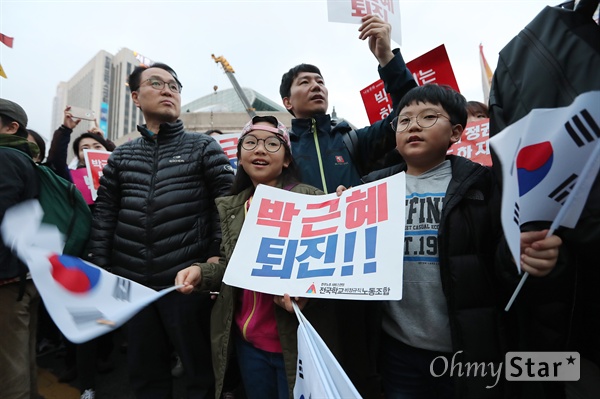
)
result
[(229, 101), (101, 86)]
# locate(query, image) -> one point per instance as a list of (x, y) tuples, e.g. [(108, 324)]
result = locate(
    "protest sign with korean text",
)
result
[(431, 67), (378, 103), (229, 144), (347, 247), (83, 183), (474, 142), (351, 12), (94, 163)]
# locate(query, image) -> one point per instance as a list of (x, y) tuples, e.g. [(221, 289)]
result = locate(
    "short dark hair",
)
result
[(94, 136), (135, 77), (475, 107), (210, 131), (452, 101), (287, 79), (41, 143)]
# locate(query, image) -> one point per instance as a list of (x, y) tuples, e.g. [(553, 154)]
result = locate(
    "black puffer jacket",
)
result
[(468, 236), (155, 213)]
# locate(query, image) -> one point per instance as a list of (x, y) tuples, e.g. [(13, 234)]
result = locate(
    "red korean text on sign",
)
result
[(367, 206), (380, 8), (325, 222), (277, 214)]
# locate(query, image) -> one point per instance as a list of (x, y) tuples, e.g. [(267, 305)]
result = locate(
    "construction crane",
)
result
[(236, 86)]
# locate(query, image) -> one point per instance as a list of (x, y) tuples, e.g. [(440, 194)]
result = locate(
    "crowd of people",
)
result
[(158, 222)]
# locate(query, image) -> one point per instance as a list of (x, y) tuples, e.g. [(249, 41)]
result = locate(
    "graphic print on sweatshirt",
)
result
[(423, 213)]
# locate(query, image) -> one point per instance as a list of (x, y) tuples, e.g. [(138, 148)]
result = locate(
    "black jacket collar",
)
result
[(166, 130)]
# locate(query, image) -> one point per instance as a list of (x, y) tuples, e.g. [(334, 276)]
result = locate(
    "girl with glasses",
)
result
[(257, 325)]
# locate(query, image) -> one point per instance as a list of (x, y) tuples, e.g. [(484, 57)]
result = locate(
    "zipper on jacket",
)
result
[(245, 328), (149, 258), (318, 148)]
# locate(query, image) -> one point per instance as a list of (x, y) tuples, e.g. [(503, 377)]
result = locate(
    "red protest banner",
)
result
[(473, 143), (377, 102), (94, 163), (432, 67)]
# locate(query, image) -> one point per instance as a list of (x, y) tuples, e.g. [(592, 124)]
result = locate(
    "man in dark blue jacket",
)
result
[(320, 147), (318, 141), (155, 214)]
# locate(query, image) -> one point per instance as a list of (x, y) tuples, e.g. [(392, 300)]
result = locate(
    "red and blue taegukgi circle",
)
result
[(533, 164), (73, 274)]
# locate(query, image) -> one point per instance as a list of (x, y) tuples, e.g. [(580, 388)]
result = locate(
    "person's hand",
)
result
[(96, 129), (189, 278), (285, 302), (538, 252), (340, 189), (213, 259), (68, 120), (379, 34)]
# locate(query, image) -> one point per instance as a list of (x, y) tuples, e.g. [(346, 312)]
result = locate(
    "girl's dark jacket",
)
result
[(468, 237)]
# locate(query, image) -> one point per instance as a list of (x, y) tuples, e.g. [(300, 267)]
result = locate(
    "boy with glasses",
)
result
[(450, 312), (155, 215)]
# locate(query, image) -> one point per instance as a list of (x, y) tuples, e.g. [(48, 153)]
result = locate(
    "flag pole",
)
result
[(586, 173)]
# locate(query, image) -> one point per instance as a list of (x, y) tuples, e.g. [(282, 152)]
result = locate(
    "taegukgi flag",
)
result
[(544, 157), (84, 300), (318, 373)]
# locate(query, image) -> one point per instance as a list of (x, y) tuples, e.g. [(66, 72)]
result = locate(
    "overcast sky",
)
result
[(260, 39)]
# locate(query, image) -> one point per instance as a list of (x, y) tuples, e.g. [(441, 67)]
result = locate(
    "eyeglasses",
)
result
[(425, 119), (271, 144), (158, 84)]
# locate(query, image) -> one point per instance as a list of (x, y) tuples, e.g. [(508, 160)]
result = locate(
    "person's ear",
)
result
[(12, 127), (287, 103), (287, 161), (134, 97), (457, 131)]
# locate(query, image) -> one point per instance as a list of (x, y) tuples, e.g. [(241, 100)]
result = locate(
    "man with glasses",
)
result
[(330, 152), (155, 215)]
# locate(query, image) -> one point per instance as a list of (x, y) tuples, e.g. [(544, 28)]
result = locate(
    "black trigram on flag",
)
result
[(583, 133), (300, 369), (516, 214), (82, 316), (560, 193), (122, 290)]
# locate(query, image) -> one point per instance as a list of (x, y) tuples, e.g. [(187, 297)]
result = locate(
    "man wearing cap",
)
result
[(19, 299), (155, 215)]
